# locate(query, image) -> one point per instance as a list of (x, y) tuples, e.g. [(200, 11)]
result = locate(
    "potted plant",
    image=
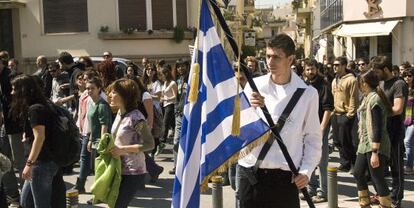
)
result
[(104, 29), (178, 34)]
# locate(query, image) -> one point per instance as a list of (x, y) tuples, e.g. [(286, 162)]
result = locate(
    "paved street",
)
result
[(159, 194)]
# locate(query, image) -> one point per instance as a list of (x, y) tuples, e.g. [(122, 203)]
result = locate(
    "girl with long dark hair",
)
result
[(40, 170), (374, 144), (168, 98)]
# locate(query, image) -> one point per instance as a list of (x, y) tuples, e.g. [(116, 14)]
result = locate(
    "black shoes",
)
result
[(154, 178), (172, 172), (344, 168)]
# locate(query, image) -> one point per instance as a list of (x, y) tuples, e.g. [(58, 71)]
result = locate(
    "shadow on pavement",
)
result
[(150, 203)]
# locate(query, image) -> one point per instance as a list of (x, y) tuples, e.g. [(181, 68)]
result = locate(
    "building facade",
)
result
[(128, 28), (364, 30)]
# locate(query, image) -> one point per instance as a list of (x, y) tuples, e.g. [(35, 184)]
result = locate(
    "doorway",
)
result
[(6, 31)]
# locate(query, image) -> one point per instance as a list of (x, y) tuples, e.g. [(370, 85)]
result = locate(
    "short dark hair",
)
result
[(311, 62), (342, 60), (284, 42), (4, 57), (65, 58), (381, 62)]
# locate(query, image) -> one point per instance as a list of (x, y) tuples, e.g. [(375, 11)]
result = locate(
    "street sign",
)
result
[(250, 38)]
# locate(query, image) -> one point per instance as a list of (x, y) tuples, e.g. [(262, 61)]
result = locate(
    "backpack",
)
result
[(65, 143)]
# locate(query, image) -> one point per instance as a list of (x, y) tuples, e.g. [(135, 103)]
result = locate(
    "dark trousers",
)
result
[(397, 170), (3, 201), (129, 186), (342, 134), (273, 189), (169, 120), (362, 164)]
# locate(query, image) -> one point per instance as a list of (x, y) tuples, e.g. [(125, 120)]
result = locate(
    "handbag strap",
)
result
[(279, 125)]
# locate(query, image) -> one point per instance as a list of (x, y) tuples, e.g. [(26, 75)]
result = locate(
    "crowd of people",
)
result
[(365, 108), (139, 106)]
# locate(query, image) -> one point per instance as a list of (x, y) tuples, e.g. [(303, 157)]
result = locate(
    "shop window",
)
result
[(132, 14), (362, 47), (384, 47), (63, 16)]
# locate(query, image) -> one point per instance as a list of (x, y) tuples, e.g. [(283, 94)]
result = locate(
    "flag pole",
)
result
[(266, 113)]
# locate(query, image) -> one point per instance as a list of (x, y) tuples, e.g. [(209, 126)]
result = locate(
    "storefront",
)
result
[(383, 29)]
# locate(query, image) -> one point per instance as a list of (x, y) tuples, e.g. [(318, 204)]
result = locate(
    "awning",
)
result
[(368, 29), (11, 4)]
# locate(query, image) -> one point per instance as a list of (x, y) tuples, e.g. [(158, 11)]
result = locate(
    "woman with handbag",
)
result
[(132, 138)]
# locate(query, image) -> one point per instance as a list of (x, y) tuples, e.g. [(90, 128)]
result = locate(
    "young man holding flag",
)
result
[(270, 182)]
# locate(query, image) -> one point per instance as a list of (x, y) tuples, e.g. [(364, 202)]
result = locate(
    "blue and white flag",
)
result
[(206, 142)]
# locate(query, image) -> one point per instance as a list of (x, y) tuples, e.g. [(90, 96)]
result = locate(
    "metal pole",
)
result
[(217, 191), (332, 187), (72, 198)]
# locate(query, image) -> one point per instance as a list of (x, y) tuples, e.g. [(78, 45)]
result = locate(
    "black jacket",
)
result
[(326, 101)]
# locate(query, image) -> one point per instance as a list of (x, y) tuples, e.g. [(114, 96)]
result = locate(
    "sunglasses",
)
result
[(336, 64), (52, 71), (408, 75), (363, 64)]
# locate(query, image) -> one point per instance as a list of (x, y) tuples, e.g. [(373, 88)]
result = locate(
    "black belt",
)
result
[(279, 172)]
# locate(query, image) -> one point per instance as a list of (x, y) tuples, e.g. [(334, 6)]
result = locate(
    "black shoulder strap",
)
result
[(279, 125)]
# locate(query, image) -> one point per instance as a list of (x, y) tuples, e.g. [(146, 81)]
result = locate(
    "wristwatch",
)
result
[(375, 151), (29, 163)]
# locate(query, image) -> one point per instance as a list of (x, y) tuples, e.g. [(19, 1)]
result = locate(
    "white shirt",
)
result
[(168, 92), (301, 133), (154, 89)]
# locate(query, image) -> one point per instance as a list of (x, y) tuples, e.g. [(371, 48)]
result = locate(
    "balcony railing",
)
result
[(331, 12)]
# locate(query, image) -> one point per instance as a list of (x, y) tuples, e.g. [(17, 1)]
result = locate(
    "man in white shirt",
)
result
[(273, 184)]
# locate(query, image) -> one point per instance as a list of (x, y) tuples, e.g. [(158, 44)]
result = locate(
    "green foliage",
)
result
[(178, 34), (104, 29), (248, 51), (128, 30)]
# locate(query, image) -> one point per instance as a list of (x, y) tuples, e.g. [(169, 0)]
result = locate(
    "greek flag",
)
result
[(206, 142)]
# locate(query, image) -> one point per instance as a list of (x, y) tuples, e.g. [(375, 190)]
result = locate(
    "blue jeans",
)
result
[(85, 160), (177, 135), (321, 187), (129, 186), (409, 145), (40, 187)]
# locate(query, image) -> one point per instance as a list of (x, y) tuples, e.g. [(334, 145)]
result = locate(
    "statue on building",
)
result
[(373, 8)]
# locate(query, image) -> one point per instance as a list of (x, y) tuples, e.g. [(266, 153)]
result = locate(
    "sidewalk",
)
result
[(159, 194)]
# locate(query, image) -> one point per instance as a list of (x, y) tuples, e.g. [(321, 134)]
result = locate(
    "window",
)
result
[(62, 16), (132, 14), (362, 47), (162, 14), (182, 13), (384, 46)]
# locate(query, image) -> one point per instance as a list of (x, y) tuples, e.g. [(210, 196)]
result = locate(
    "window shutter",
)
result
[(132, 13), (182, 13), (162, 14), (62, 16)]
